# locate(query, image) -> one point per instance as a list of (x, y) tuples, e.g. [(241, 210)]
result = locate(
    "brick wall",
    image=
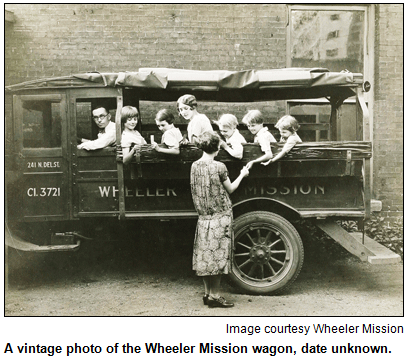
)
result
[(53, 40), (388, 119)]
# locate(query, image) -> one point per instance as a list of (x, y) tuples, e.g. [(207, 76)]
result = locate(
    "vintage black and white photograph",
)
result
[(203, 159)]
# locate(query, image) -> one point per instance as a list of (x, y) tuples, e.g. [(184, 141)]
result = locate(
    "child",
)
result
[(171, 135), (198, 123), (228, 128), (254, 122), (210, 188), (288, 127), (130, 136)]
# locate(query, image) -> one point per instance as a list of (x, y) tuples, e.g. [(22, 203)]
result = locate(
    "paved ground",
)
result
[(124, 279)]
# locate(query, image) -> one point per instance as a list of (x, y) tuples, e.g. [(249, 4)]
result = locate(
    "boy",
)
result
[(234, 140), (171, 134), (254, 121)]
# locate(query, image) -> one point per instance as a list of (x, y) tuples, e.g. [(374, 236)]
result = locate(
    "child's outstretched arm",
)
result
[(287, 148), (275, 158), (231, 186), (171, 151), (267, 156)]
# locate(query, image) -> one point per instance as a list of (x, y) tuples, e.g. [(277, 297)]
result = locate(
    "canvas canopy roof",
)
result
[(248, 85)]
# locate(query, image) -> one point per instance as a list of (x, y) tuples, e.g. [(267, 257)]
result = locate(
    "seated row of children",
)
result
[(198, 123)]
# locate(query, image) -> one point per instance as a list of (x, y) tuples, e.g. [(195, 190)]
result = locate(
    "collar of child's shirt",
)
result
[(263, 130)]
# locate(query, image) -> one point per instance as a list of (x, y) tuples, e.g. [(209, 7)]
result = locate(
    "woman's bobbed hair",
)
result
[(188, 100), (208, 142)]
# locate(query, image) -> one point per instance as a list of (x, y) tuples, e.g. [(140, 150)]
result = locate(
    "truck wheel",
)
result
[(267, 252)]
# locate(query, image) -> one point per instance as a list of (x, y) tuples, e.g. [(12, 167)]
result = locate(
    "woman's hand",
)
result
[(244, 171), (249, 165)]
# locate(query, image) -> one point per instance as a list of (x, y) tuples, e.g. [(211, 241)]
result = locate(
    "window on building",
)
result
[(332, 39), (335, 37)]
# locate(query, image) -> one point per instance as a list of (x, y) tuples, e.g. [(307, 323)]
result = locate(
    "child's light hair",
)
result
[(253, 117), (288, 123), (228, 120), (129, 112)]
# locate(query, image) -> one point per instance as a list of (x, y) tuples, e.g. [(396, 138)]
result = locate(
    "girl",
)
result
[(210, 188), (228, 129), (198, 123), (130, 136), (171, 135), (288, 127)]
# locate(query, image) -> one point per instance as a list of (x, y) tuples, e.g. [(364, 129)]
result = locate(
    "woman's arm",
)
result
[(231, 186)]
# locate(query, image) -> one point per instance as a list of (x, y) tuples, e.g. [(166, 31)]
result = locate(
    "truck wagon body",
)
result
[(54, 191)]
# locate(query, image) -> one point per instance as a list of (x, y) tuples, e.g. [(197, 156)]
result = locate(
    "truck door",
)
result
[(94, 173), (41, 143)]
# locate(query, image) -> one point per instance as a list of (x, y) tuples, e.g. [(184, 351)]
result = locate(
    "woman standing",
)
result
[(210, 187)]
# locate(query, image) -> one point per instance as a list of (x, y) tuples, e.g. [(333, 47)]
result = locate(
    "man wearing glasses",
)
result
[(107, 131)]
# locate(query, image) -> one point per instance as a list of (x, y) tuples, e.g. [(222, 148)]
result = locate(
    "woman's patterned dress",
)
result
[(213, 236)]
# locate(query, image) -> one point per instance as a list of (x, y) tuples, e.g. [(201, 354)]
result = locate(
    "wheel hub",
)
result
[(260, 254)]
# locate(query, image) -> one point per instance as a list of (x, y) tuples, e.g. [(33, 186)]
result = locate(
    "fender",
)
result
[(14, 241), (265, 204)]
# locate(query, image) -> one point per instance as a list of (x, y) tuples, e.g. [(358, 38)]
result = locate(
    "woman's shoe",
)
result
[(205, 299), (219, 302)]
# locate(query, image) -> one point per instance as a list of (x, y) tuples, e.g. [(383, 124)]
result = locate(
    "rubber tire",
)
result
[(292, 243)]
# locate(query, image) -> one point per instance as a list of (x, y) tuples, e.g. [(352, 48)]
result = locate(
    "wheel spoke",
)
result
[(242, 254), (261, 272), (276, 260), (271, 268), (244, 245), (244, 263), (268, 237), (252, 269), (275, 252), (251, 239), (274, 243), (258, 236)]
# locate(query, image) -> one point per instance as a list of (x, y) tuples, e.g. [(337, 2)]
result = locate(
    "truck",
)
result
[(57, 196)]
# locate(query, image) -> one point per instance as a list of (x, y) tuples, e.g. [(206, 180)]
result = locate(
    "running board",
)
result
[(368, 251)]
